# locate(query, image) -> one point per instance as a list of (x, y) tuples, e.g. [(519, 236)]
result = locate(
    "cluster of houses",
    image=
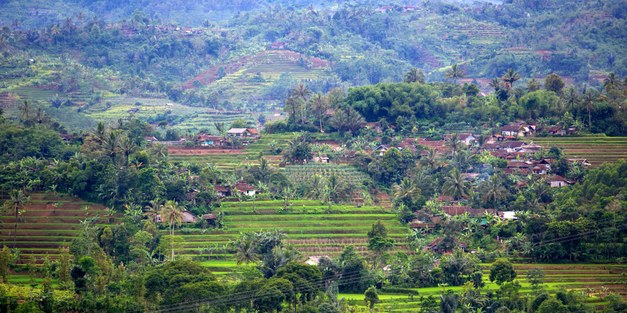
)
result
[(241, 188), (205, 140)]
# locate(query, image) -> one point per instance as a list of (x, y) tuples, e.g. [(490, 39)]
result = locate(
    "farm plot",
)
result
[(597, 150), (229, 159), (593, 280), (311, 227), (298, 173), (48, 223)]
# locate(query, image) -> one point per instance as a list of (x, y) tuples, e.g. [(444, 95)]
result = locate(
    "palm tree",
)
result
[(454, 143), (110, 144), (455, 72), (455, 185), (347, 119), (571, 98), (16, 202), (171, 213), (127, 145), (302, 92), (25, 112), (245, 249), (406, 190), (493, 191), (588, 99), (319, 105), (496, 84), (152, 209), (510, 77), (429, 159), (414, 76)]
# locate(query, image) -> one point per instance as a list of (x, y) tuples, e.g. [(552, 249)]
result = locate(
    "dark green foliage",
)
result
[(502, 271)]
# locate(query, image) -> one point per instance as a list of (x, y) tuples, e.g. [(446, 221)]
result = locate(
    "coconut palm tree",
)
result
[(245, 249), (455, 73), (25, 112), (302, 92), (319, 105), (152, 209), (414, 76), (493, 191), (455, 185), (429, 159), (454, 143), (171, 214), (127, 146), (406, 191), (16, 203), (510, 77), (588, 100)]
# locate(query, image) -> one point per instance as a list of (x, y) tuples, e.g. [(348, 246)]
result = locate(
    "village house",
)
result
[(516, 130), (221, 191), (321, 159), (466, 138), (243, 133), (558, 181), (151, 139), (245, 188), (530, 148), (454, 210), (418, 224), (209, 140), (556, 131), (582, 162)]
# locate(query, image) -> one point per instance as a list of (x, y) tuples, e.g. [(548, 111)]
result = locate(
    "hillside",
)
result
[(94, 54)]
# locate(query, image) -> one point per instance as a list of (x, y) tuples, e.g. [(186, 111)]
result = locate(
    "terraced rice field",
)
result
[(297, 173), (311, 227), (48, 222), (593, 280), (230, 159), (241, 83), (596, 150)]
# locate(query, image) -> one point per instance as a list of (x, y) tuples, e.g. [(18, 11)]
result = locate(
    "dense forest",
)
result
[(313, 156)]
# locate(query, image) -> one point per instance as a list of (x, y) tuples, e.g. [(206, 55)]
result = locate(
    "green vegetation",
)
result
[(597, 150), (303, 156)]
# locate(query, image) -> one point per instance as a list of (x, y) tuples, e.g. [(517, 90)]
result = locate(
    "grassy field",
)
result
[(593, 280), (48, 222), (311, 227), (596, 150)]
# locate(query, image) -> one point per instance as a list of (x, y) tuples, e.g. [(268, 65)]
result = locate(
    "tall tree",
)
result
[(172, 215), (347, 120), (589, 97), (16, 202), (455, 73), (246, 249), (319, 105), (414, 75), (493, 191), (510, 77), (554, 82), (378, 241), (302, 93), (455, 185)]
